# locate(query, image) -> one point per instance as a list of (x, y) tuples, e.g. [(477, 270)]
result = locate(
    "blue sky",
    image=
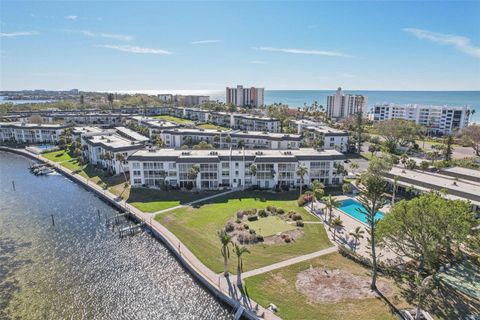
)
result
[(144, 45)]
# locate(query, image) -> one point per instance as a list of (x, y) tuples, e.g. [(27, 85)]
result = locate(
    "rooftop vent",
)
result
[(213, 153), (259, 153), (185, 153), (287, 153)]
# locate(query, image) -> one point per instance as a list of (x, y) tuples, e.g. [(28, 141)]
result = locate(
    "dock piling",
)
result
[(13, 185), (53, 220)]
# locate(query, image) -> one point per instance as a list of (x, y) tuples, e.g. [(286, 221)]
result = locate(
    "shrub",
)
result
[(296, 217), (240, 214), (259, 238), (245, 226), (238, 220), (272, 209), (299, 223), (280, 211), (252, 231), (301, 201), (263, 213), (287, 238), (230, 226), (252, 218)]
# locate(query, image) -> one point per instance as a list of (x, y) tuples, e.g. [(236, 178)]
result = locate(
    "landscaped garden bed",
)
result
[(271, 225)]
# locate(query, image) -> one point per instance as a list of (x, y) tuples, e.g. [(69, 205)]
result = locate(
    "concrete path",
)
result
[(214, 280), (288, 262)]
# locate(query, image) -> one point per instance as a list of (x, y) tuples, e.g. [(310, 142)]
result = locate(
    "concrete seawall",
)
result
[(163, 236)]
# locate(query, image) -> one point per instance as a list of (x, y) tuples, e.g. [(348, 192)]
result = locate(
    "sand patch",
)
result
[(336, 285), (277, 239)]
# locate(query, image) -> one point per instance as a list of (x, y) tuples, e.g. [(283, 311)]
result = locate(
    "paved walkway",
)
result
[(216, 281), (288, 262)]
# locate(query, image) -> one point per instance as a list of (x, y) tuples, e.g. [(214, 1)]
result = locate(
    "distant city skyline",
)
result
[(207, 46)]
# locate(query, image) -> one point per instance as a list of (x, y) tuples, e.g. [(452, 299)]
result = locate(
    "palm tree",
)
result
[(121, 159), (336, 223), (353, 166), (301, 172), (192, 174), (318, 194), (395, 181), (253, 170), (330, 203), (357, 234), (225, 239), (239, 251)]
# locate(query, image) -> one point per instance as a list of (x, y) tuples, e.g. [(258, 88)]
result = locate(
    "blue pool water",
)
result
[(45, 146), (350, 207)]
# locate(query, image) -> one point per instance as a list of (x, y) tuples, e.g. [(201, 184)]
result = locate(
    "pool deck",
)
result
[(349, 224)]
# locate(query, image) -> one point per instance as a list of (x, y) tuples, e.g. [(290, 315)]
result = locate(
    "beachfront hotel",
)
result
[(30, 132), (231, 168), (245, 97), (438, 120), (342, 105)]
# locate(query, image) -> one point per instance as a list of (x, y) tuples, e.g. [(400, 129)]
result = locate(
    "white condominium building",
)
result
[(312, 132), (30, 132), (245, 97), (437, 119), (177, 137), (232, 168), (342, 105), (102, 147)]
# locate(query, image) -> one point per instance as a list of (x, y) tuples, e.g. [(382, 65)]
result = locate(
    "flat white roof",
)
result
[(464, 171), (440, 181), (132, 134)]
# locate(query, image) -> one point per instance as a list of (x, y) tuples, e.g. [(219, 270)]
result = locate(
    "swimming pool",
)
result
[(350, 207), (45, 146)]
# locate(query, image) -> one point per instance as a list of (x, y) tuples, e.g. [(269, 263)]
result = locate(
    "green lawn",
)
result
[(174, 119), (270, 225), (152, 200), (278, 287), (212, 126), (72, 164), (57, 156), (197, 227)]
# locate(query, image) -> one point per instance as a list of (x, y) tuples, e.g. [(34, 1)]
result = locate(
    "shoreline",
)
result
[(180, 252)]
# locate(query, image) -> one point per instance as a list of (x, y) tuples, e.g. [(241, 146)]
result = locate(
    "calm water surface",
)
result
[(80, 269)]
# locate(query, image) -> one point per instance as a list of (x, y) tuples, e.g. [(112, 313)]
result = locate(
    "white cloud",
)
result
[(71, 17), (258, 62), (17, 34), (135, 49), (87, 33), (204, 41), (461, 43), (305, 51)]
